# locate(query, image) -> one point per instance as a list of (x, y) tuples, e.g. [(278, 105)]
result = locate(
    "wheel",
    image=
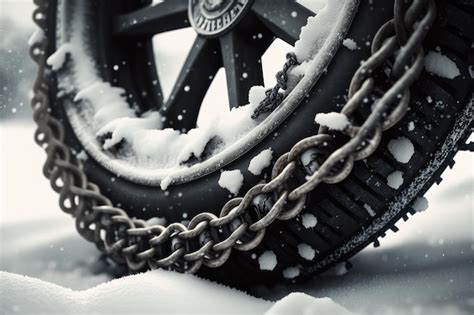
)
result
[(96, 46)]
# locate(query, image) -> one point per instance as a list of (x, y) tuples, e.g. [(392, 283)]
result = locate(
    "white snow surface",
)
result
[(395, 179), (306, 251), (260, 162), (402, 149), (350, 44), (340, 269), (441, 65), (109, 103), (36, 37), (425, 268), (369, 210), (314, 33), (302, 304), (334, 121), (57, 60), (82, 156), (308, 220), (267, 260), (158, 291), (104, 103), (232, 181), (291, 272), (420, 204)]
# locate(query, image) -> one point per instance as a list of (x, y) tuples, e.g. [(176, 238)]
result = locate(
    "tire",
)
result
[(441, 109)]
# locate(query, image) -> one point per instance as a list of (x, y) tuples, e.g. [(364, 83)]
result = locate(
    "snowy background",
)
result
[(425, 268)]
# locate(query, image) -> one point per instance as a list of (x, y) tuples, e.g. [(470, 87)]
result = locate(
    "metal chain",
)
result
[(209, 239), (273, 96)]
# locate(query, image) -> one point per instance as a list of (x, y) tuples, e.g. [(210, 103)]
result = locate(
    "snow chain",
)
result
[(396, 51)]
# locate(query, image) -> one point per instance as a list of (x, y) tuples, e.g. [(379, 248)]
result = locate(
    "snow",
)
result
[(267, 260), (232, 181), (314, 34), (291, 272), (314, 5), (159, 291), (109, 103), (36, 37), (57, 60), (395, 179), (402, 149), (260, 162), (308, 220), (301, 69), (350, 44), (425, 268), (102, 101), (306, 251), (157, 221), (121, 128), (82, 155), (334, 121), (169, 148), (411, 126), (137, 294), (420, 204), (302, 304), (369, 210), (441, 65), (340, 269), (257, 94)]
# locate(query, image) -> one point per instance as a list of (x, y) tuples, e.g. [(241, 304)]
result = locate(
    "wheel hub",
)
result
[(211, 18)]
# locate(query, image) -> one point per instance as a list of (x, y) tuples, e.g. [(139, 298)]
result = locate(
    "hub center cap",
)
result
[(212, 18)]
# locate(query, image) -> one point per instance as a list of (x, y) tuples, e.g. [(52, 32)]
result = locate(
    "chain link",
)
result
[(208, 239), (274, 96)]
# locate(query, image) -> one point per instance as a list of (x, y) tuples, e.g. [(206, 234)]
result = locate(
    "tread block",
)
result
[(374, 182), (358, 213), (363, 195), (461, 20), (338, 214), (380, 166), (431, 86), (449, 40)]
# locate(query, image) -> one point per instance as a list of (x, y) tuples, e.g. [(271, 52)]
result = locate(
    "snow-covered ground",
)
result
[(425, 268)]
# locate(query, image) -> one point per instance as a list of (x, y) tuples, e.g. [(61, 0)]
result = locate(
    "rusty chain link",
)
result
[(273, 96), (208, 239)]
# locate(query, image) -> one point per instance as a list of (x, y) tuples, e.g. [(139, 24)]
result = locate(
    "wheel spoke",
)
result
[(150, 20), (242, 62), (195, 77), (284, 18), (146, 75)]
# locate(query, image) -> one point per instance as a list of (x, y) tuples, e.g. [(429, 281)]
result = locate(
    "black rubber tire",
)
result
[(344, 227)]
